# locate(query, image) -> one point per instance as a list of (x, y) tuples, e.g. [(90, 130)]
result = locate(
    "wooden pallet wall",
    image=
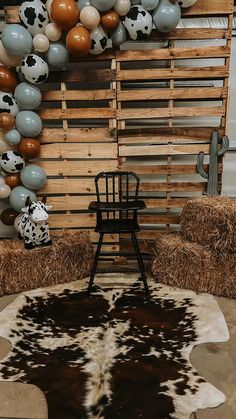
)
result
[(140, 110), (169, 99)]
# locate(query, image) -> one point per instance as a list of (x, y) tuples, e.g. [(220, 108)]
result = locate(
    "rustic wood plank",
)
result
[(79, 151), (79, 113), (168, 94), (86, 186), (180, 73), (56, 95), (77, 135), (161, 139), (82, 75), (77, 168), (191, 34), (160, 169), (173, 53), (209, 7), (171, 187), (147, 113), (194, 132), (162, 150)]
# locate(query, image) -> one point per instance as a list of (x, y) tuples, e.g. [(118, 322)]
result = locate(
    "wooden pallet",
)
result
[(158, 92), (138, 98)]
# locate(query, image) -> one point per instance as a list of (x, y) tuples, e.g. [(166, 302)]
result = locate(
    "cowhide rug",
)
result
[(115, 354)]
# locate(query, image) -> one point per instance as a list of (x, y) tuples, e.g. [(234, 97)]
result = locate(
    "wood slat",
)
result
[(78, 135), (160, 169), (173, 53), (163, 150), (181, 73), (82, 75), (171, 187), (194, 132), (147, 113), (161, 139), (77, 168), (169, 94), (86, 186), (56, 95), (79, 113), (209, 7), (191, 34), (79, 151)]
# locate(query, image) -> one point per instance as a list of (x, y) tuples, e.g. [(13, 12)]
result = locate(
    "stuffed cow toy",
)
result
[(32, 226)]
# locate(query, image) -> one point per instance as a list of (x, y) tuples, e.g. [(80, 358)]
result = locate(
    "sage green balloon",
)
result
[(33, 176), (103, 5), (166, 16), (149, 4), (83, 3), (18, 197), (119, 35), (28, 123), (17, 40), (57, 55), (27, 96), (13, 137)]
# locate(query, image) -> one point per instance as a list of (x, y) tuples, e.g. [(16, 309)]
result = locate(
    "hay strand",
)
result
[(184, 264), (68, 259), (211, 221)]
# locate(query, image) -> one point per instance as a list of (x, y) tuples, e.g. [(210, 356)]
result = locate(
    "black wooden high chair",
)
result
[(116, 210)]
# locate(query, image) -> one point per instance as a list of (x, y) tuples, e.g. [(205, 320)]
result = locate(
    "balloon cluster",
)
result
[(19, 125), (51, 30)]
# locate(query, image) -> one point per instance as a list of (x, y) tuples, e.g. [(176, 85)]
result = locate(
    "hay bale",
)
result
[(211, 221), (184, 264), (69, 258)]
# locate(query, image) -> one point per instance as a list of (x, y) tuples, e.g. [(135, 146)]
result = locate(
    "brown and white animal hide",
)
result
[(115, 354)]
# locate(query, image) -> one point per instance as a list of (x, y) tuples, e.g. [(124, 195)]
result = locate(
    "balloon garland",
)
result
[(51, 30)]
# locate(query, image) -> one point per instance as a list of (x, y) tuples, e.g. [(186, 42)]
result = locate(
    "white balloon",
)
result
[(16, 222), (122, 7), (48, 7), (5, 191), (53, 32), (40, 43), (2, 181), (186, 3), (8, 59)]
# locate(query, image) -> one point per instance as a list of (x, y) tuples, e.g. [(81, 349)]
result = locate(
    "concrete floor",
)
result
[(216, 362)]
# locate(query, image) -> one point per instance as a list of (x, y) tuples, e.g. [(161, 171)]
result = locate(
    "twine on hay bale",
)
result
[(184, 264), (211, 221), (69, 258)]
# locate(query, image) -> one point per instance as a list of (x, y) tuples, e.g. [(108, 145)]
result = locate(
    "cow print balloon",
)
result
[(99, 41), (138, 22), (8, 103), (34, 16), (12, 162), (34, 69)]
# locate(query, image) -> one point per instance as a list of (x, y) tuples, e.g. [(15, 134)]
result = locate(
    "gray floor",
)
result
[(216, 362)]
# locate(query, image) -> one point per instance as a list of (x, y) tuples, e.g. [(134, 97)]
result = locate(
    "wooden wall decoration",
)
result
[(136, 110)]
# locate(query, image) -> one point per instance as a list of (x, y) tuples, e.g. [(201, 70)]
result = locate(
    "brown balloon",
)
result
[(29, 148), (13, 180), (78, 41), (110, 20), (8, 216), (8, 79), (7, 121), (65, 13)]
